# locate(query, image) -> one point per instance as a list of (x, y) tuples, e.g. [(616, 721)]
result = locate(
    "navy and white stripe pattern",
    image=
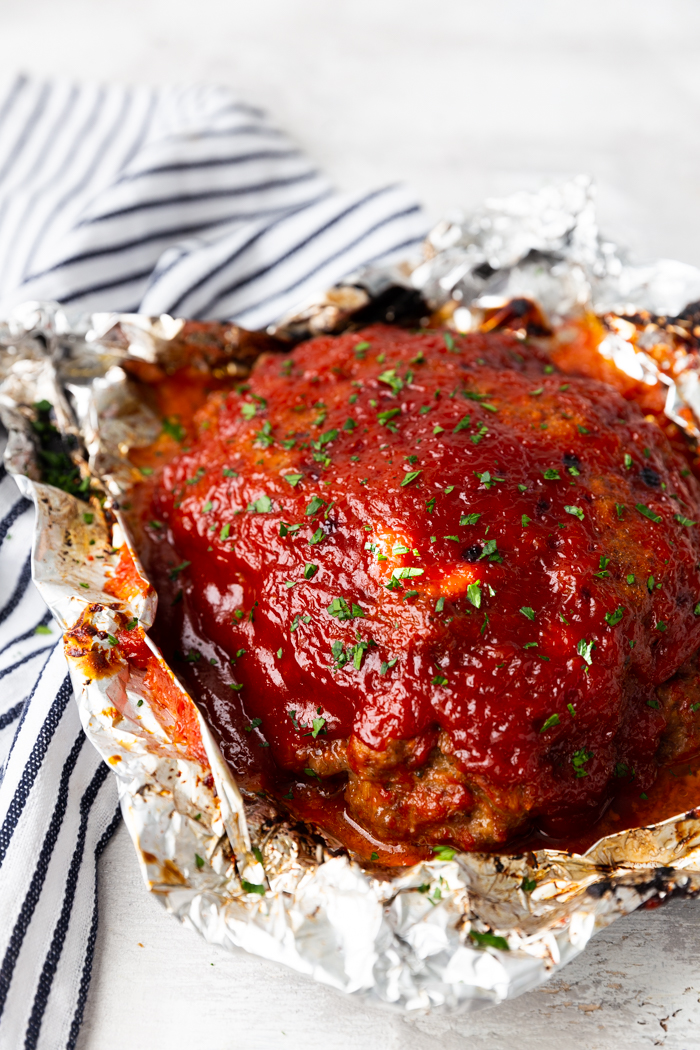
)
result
[(181, 201), (177, 200)]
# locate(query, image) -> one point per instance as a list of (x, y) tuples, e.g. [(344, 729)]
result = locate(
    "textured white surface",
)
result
[(462, 99)]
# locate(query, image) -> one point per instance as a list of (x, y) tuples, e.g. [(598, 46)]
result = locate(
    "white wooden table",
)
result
[(461, 99)]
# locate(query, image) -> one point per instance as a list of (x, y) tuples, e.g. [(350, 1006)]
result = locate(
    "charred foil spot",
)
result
[(650, 477), (472, 553)]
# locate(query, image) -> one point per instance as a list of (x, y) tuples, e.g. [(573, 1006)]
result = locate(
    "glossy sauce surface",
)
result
[(388, 536)]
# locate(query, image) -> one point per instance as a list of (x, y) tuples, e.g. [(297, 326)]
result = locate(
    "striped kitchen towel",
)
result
[(159, 200)]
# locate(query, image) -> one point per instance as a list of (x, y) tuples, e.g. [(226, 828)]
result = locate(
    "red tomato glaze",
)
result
[(444, 540)]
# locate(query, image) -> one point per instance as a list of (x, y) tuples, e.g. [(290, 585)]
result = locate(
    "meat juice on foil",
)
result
[(458, 931)]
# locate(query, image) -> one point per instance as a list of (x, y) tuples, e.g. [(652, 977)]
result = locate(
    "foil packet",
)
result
[(457, 932)]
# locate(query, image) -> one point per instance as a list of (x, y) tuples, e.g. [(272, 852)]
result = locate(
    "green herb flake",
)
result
[(630, 579), (42, 629), (579, 759), (199, 861), (411, 477), (317, 537), (615, 617), (293, 479), (439, 605), (648, 512), (315, 506), (528, 612), (551, 474), (553, 720), (225, 530), (406, 573), (469, 519), (585, 649), (252, 887), (661, 626), (678, 517), (175, 572), (575, 511), (628, 461), (384, 417), (463, 424), (474, 594), (489, 940), (525, 521), (528, 885)]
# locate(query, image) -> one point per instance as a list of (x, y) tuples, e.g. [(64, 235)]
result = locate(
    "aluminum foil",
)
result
[(460, 931)]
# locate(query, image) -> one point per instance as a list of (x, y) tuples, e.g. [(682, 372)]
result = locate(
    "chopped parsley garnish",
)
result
[(315, 506), (340, 609), (630, 579), (384, 417), (360, 350), (225, 529), (469, 519), (661, 626), (293, 479), (286, 528), (439, 679), (474, 594), (391, 379), (489, 940), (528, 885), (228, 473), (310, 570), (615, 617), (486, 479), (579, 759), (463, 424), (327, 437), (585, 649), (648, 512), (411, 477), (553, 720), (88, 518), (684, 521), (525, 521), (551, 474), (248, 410), (175, 572), (628, 461), (131, 624), (262, 505), (449, 341), (406, 573), (349, 424), (575, 511), (574, 471), (603, 567), (528, 612), (439, 605), (317, 537), (430, 505), (316, 726)]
